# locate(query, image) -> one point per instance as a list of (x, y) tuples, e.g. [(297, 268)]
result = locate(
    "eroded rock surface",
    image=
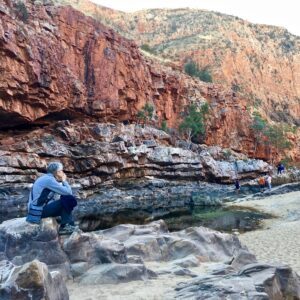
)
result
[(118, 168), (254, 281), (59, 64), (21, 242), (217, 262), (32, 280)]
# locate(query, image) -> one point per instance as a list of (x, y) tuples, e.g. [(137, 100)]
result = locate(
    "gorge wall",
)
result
[(70, 89), (259, 63), (60, 64)]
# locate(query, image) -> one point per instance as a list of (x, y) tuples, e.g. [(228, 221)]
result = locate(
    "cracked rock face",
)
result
[(117, 168)]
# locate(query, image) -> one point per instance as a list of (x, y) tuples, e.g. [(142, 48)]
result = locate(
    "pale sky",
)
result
[(284, 13)]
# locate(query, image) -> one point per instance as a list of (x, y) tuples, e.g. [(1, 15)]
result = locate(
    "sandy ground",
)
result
[(161, 288), (279, 240)]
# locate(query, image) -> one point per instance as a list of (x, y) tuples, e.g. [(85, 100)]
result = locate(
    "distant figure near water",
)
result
[(237, 186), (280, 168), (42, 202), (261, 183), (269, 181)]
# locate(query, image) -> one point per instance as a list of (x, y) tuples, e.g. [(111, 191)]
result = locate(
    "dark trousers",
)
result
[(56, 209)]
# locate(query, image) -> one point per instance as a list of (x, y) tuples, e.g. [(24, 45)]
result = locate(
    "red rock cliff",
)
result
[(58, 63)]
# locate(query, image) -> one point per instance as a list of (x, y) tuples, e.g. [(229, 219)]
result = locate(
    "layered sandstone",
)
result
[(118, 168)]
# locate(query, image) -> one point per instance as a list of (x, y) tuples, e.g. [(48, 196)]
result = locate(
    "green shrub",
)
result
[(146, 113), (204, 75), (22, 11), (164, 126), (147, 48), (194, 122), (227, 153), (272, 135), (192, 69), (235, 87)]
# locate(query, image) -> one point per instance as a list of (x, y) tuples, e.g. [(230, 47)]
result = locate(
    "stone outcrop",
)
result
[(119, 167), (217, 262), (60, 64), (115, 273), (153, 242), (32, 280), (253, 281), (21, 242), (85, 250), (292, 175)]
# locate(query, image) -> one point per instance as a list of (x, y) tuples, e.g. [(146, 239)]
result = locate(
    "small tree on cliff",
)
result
[(21, 11), (276, 138), (146, 113), (194, 122), (192, 69), (164, 126), (258, 126), (273, 136)]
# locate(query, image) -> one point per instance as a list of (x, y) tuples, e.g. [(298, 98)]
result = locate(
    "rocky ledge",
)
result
[(118, 167), (35, 259)]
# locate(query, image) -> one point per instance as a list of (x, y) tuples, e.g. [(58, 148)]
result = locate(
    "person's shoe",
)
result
[(67, 229)]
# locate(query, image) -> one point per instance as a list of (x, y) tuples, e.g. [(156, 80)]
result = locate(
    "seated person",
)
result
[(42, 203)]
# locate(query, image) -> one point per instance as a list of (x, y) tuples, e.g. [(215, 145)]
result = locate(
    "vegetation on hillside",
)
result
[(193, 125), (192, 69), (21, 11), (274, 136), (146, 114), (148, 49)]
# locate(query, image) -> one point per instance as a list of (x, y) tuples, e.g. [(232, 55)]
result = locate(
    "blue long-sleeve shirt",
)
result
[(49, 182), (47, 186)]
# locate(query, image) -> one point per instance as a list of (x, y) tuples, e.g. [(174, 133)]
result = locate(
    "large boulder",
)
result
[(242, 258), (31, 281), (21, 242), (278, 281), (153, 242), (86, 250)]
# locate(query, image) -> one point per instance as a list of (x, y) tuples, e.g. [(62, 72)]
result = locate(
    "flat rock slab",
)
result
[(253, 281), (115, 273)]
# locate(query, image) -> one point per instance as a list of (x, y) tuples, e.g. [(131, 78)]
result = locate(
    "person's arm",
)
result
[(55, 186)]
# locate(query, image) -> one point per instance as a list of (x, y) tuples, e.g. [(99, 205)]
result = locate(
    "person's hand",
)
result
[(61, 176), (64, 177)]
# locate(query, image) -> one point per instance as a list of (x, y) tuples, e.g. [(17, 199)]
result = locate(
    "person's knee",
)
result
[(69, 202)]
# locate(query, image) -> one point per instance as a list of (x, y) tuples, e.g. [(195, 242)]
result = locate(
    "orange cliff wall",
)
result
[(62, 63)]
